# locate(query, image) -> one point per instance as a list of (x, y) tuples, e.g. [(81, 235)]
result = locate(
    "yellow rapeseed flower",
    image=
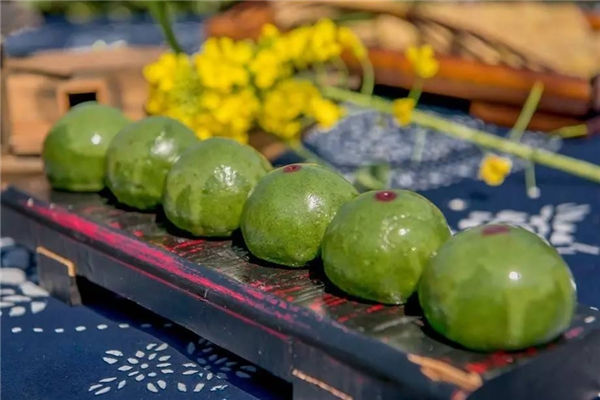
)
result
[(423, 61), (268, 67), (403, 109), (494, 169), (292, 100), (157, 101), (173, 83), (323, 44), (293, 46), (284, 105), (166, 70), (222, 65), (226, 114), (239, 52), (269, 31), (325, 112), (349, 40), (231, 86)]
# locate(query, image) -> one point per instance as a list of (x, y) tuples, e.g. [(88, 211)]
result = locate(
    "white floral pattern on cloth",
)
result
[(203, 352), (555, 223), (203, 368), (152, 367), (18, 295)]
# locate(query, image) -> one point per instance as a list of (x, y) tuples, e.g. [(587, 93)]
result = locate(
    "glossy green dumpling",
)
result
[(378, 244), (75, 149), (498, 287), (207, 187), (286, 215), (140, 156)]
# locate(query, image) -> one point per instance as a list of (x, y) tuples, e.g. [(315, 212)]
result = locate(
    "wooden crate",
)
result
[(40, 88)]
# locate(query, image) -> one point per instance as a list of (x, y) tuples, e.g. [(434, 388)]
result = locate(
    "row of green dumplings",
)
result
[(491, 287)]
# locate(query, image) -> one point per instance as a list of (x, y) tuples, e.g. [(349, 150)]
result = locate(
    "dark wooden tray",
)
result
[(288, 321)]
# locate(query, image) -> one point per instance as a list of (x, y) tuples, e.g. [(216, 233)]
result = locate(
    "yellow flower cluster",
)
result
[(169, 77), (425, 66), (231, 86), (349, 40), (403, 109), (222, 65), (315, 44), (423, 61), (211, 107), (289, 101), (494, 169)]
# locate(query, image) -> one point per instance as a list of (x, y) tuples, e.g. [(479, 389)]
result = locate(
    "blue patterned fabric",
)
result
[(109, 348)]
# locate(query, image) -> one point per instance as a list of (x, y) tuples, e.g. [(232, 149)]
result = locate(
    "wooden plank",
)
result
[(504, 115), (552, 36), (132, 89), (338, 347), (5, 116), (61, 63), (244, 20), (27, 137), (593, 19), (18, 165), (32, 110), (472, 80)]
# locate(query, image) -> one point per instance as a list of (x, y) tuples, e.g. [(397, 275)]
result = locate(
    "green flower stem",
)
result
[(368, 79), (516, 133), (159, 11), (321, 74), (415, 94), (419, 146), (570, 165), (535, 94), (343, 70), (532, 189), (571, 131), (416, 90)]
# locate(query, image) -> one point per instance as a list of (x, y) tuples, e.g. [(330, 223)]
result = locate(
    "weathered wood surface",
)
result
[(290, 321), (38, 87)]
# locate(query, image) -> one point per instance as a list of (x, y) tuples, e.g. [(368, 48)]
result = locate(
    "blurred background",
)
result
[(56, 54)]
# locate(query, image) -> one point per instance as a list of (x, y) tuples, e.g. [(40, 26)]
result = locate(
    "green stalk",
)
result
[(159, 12), (516, 133), (415, 94), (535, 94), (571, 131), (321, 74), (343, 70), (368, 78), (570, 165), (532, 189), (416, 90)]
